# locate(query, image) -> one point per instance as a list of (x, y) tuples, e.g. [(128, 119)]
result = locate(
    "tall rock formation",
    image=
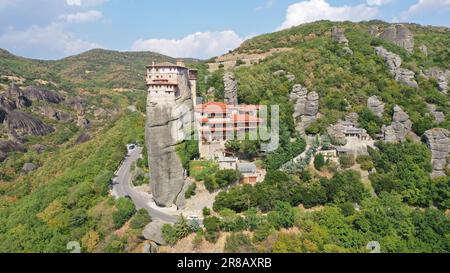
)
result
[(394, 63), (438, 140), (230, 84), (337, 35), (166, 127), (306, 106), (401, 126), (399, 35), (376, 106)]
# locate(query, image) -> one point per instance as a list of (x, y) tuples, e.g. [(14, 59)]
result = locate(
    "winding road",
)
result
[(121, 187)]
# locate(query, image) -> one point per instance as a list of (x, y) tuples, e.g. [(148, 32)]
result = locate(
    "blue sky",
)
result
[(52, 29)]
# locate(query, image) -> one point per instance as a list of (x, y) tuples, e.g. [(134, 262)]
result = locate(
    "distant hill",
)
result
[(92, 69)]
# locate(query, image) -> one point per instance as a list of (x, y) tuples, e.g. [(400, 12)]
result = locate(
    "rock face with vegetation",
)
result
[(438, 141), (376, 106), (337, 35), (394, 63), (165, 130), (399, 35), (400, 127), (306, 106), (230, 84), (439, 116), (441, 76), (39, 94), (21, 124)]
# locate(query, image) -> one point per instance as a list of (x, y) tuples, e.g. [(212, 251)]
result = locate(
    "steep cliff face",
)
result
[(438, 141), (165, 128)]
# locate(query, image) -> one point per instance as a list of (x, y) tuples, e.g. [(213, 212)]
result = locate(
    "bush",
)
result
[(346, 161), (319, 162), (239, 243), (190, 191), (140, 220), (125, 209), (365, 161), (206, 212), (169, 234)]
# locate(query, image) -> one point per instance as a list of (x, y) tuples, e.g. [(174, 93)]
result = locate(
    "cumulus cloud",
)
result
[(313, 10), (82, 17), (45, 42), (197, 45)]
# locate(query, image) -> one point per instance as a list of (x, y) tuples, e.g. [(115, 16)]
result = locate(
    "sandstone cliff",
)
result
[(394, 63), (438, 141), (306, 106)]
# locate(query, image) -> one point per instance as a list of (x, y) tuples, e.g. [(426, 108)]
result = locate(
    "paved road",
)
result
[(122, 188)]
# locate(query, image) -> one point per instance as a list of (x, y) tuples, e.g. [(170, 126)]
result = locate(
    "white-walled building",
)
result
[(165, 80)]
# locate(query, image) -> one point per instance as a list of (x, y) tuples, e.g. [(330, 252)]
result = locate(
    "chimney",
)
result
[(180, 63)]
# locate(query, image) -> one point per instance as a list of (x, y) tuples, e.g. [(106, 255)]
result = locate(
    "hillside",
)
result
[(387, 195), (94, 69), (342, 66)]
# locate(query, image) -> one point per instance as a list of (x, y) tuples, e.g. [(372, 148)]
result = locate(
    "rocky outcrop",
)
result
[(166, 126), (401, 126), (54, 114), (353, 118), (394, 63), (7, 147), (83, 122), (336, 134), (439, 116), (423, 49), (24, 124), (337, 35), (29, 167), (289, 76), (84, 137), (16, 95), (306, 106), (230, 84), (153, 232), (77, 104), (39, 94), (442, 77), (399, 35), (374, 30), (438, 140), (376, 106)]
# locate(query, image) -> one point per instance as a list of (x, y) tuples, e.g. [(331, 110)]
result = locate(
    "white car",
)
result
[(193, 218)]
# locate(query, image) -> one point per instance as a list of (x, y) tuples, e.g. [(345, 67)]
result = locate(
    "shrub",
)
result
[(140, 220), (125, 209), (346, 161), (319, 162), (190, 191)]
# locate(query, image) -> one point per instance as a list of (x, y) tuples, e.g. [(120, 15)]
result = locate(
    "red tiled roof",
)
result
[(213, 107)]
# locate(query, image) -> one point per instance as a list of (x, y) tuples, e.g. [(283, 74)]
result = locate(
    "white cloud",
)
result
[(423, 6), (82, 17), (378, 2), (85, 3), (45, 42), (313, 10), (197, 45)]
